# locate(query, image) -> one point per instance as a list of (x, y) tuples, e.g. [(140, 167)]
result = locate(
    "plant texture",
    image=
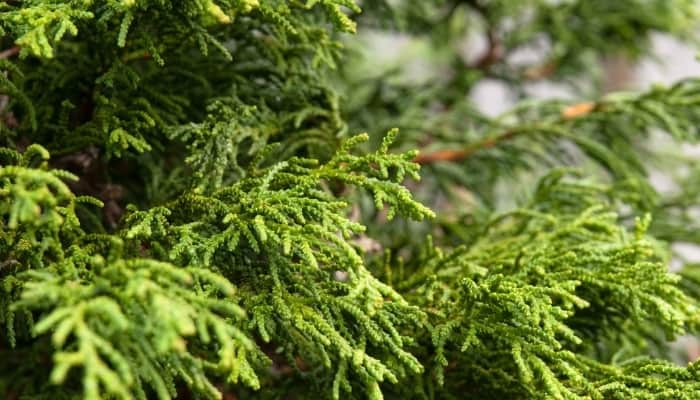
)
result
[(189, 210)]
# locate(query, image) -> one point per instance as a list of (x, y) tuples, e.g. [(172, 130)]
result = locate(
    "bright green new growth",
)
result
[(186, 211)]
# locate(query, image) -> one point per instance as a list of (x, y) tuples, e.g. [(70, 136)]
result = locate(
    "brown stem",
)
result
[(538, 72), (11, 52), (461, 154), (493, 53), (568, 113)]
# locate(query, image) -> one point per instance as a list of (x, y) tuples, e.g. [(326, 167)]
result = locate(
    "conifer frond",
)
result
[(284, 237), (523, 301), (103, 326), (123, 96), (215, 144), (37, 209)]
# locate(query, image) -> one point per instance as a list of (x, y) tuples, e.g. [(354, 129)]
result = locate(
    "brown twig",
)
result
[(494, 51), (11, 52), (567, 113), (461, 154), (492, 55), (538, 72)]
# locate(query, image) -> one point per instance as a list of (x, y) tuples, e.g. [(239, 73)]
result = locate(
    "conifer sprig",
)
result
[(279, 233)]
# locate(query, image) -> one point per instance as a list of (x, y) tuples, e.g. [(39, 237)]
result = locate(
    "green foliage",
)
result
[(283, 237), (526, 298), (184, 212), (277, 233), (138, 324)]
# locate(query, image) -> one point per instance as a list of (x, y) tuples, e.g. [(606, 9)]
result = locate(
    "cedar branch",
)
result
[(451, 155)]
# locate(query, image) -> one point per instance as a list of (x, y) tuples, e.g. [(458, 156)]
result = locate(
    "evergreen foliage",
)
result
[(187, 210)]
